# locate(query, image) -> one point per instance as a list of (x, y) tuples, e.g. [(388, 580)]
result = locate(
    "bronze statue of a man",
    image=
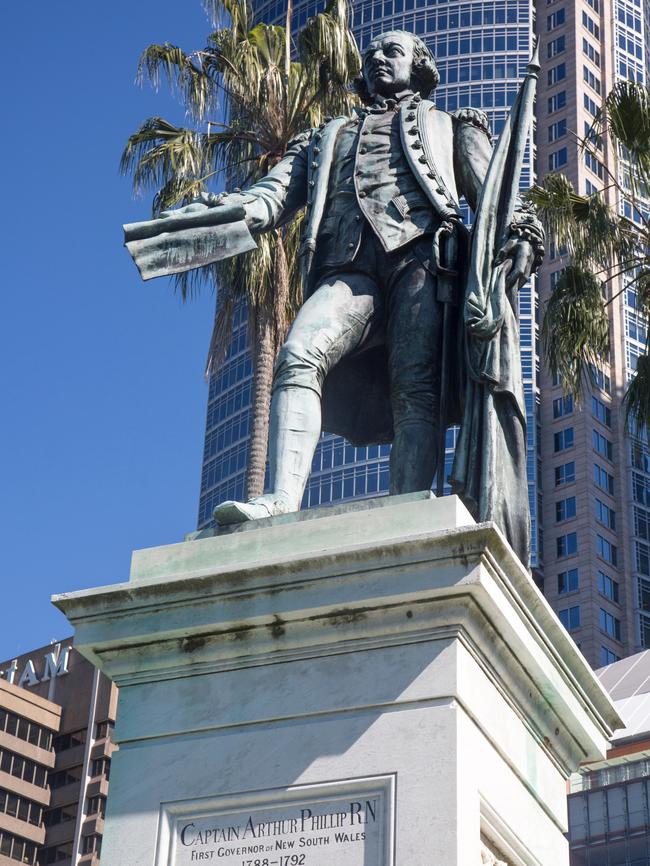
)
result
[(376, 351)]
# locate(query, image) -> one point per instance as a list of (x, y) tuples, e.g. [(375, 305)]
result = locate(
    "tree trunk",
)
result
[(271, 324), (264, 357)]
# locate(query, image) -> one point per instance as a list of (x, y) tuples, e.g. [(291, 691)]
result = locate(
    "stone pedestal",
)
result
[(376, 685)]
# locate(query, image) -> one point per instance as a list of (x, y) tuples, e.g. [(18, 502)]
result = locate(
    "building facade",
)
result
[(28, 726), (57, 712), (609, 801), (595, 476), (481, 50)]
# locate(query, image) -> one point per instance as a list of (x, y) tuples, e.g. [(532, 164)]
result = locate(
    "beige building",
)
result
[(58, 713), (28, 726), (593, 475)]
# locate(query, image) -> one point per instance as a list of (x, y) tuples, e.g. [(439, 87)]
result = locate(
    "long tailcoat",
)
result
[(448, 155)]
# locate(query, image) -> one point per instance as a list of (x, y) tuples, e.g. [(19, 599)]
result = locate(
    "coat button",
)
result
[(416, 145), (422, 158), (317, 150), (350, 246), (410, 115), (358, 218), (413, 130), (431, 174), (362, 194), (363, 150), (314, 165)]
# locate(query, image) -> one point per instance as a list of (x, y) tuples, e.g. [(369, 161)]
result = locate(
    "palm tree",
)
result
[(610, 252), (262, 99)]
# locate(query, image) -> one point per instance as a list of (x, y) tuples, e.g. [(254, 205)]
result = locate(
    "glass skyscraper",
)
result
[(481, 49)]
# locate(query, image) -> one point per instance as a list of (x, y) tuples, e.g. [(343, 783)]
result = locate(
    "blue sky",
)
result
[(101, 375)]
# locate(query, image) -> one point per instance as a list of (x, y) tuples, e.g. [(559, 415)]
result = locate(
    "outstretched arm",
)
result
[(270, 202)]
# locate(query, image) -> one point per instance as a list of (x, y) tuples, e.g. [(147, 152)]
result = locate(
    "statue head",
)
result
[(396, 61)]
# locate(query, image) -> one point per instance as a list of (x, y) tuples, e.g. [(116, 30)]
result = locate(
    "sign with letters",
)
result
[(348, 823), (55, 664)]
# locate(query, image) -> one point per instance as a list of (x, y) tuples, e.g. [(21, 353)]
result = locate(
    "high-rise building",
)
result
[(481, 50), (595, 476), (28, 726), (56, 716)]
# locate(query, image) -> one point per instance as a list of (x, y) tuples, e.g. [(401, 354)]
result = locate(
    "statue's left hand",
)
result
[(520, 253)]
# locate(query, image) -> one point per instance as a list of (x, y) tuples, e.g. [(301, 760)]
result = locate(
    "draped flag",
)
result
[(489, 471)]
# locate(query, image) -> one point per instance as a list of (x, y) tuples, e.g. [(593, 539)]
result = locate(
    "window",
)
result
[(557, 159), (69, 741), (96, 806), (594, 165), (603, 479), (610, 624), (91, 845), (591, 26), (563, 439), (556, 102), (600, 379), (607, 656), (19, 727), (605, 514), (101, 767), (23, 768), (590, 105), (103, 730), (20, 807), (61, 778), (591, 188), (556, 46), (60, 815), (557, 130), (589, 50), (595, 5), (568, 581), (565, 474), (592, 80), (606, 550), (556, 73), (562, 406), (570, 617), (565, 509), (641, 488), (608, 587), (556, 19), (601, 412), (602, 444), (17, 849), (566, 545)]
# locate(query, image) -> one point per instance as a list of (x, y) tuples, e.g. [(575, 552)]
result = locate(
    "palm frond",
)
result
[(160, 152), (575, 329), (637, 397), (184, 72)]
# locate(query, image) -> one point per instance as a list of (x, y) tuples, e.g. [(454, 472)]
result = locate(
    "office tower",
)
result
[(28, 725), (595, 476), (609, 800), (481, 50), (56, 716)]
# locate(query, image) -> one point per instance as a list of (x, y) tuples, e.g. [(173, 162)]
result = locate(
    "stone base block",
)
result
[(379, 686)]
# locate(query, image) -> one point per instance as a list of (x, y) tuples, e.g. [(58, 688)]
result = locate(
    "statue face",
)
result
[(387, 64)]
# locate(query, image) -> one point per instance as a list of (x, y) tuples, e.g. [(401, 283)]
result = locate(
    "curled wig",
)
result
[(424, 74)]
